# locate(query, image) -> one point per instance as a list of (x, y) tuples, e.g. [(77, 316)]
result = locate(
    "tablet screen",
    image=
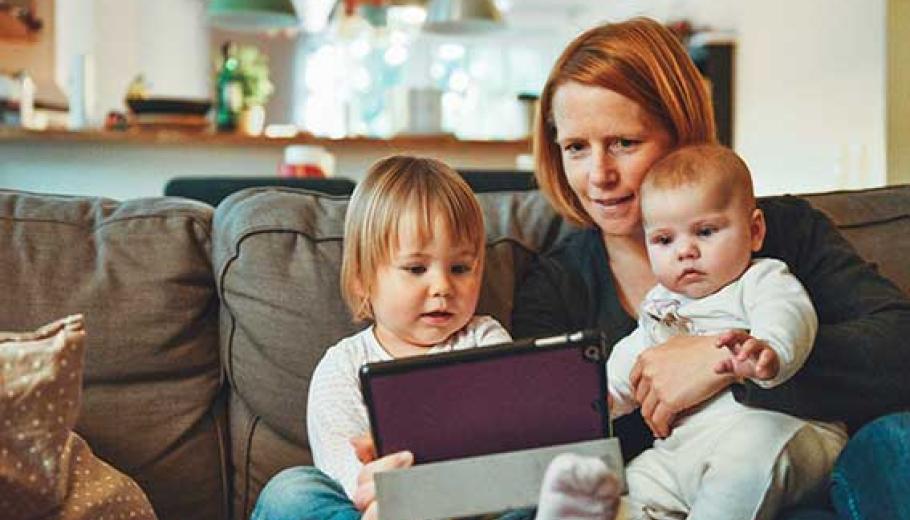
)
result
[(490, 399)]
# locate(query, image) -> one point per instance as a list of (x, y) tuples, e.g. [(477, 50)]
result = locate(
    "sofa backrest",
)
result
[(277, 256), (140, 272), (877, 223)]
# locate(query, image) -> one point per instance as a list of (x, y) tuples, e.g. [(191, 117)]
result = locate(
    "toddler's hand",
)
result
[(750, 357), (365, 494)]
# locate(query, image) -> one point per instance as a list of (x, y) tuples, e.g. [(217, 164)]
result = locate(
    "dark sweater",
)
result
[(859, 368)]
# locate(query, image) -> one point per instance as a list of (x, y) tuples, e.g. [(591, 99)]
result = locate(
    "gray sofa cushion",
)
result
[(877, 223), (140, 272), (277, 256)]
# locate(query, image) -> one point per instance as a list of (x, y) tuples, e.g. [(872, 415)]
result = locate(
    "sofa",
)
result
[(204, 324)]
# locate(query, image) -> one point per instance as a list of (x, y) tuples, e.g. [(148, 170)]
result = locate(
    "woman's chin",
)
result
[(620, 227)]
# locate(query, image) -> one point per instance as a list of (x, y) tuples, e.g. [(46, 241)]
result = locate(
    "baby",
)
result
[(723, 460)]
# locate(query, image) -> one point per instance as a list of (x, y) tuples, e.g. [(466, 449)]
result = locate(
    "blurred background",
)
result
[(812, 93)]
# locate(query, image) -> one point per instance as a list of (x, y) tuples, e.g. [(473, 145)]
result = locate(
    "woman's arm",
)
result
[(572, 289), (859, 364)]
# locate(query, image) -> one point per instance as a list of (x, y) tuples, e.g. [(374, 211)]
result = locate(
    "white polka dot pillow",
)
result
[(47, 470)]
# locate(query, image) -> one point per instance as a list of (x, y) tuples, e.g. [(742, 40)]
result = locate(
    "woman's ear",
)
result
[(758, 229)]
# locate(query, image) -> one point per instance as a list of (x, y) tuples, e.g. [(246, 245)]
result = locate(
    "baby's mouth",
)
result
[(690, 273)]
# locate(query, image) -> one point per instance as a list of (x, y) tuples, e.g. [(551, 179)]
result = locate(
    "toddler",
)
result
[(412, 265), (722, 460)]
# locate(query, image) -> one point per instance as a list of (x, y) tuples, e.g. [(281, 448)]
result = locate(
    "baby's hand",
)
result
[(750, 357)]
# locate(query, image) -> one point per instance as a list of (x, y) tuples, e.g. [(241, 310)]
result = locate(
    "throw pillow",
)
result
[(47, 470)]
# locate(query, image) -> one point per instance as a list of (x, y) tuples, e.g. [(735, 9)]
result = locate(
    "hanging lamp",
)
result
[(462, 16), (252, 15)]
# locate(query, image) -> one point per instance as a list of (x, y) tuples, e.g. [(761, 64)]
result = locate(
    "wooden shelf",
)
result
[(178, 138)]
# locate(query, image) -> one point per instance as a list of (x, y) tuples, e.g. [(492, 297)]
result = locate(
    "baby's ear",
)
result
[(758, 229)]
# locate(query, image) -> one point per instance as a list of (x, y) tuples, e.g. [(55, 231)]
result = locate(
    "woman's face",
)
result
[(607, 143)]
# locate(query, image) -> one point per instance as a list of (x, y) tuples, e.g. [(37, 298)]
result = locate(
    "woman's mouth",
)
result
[(614, 203)]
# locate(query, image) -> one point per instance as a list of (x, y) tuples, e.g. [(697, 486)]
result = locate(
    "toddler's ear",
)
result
[(758, 229)]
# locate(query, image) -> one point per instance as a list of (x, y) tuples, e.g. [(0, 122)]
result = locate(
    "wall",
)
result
[(810, 92), (898, 117), (166, 41)]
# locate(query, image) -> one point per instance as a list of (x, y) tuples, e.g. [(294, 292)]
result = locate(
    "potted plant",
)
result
[(257, 88)]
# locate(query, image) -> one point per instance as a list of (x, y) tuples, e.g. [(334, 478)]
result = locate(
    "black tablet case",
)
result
[(486, 400)]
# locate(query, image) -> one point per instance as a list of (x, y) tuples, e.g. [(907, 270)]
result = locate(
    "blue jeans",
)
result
[(305, 493), (871, 479)]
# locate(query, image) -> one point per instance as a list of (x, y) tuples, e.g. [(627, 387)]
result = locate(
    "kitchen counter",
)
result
[(139, 163)]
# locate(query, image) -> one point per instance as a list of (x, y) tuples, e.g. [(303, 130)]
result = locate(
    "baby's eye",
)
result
[(461, 269), (662, 240), (706, 231), (415, 269)]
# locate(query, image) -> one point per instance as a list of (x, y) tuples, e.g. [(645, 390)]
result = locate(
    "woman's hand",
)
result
[(671, 378), (365, 494)]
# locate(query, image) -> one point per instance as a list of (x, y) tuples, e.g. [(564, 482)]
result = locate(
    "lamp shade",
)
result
[(252, 15), (462, 16)]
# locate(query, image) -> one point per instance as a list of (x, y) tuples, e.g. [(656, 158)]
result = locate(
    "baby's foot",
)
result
[(578, 488)]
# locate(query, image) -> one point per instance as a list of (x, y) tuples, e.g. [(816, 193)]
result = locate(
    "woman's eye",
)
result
[(622, 144), (573, 147)]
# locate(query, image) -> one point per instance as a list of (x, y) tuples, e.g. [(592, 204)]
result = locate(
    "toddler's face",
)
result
[(427, 291), (698, 244)]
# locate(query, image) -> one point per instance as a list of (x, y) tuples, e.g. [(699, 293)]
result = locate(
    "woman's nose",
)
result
[(603, 170)]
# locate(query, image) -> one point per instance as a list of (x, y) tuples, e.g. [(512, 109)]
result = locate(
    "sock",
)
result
[(578, 488)]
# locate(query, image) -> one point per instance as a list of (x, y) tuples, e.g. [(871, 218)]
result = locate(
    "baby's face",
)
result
[(698, 244)]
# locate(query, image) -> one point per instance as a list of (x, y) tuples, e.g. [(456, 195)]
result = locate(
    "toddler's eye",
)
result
[(461, 269), (415, 269), (661, 240), (706, 231)]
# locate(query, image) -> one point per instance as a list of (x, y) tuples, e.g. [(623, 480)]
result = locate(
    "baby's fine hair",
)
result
[(421, 191), (712, 166)]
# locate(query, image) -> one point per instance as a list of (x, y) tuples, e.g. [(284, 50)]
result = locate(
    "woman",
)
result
[(620, 97)]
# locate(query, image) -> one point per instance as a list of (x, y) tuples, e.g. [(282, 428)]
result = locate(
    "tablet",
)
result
[(528, 394)]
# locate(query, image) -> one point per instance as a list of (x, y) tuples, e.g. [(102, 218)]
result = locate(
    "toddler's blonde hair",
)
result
[(398, 189)]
